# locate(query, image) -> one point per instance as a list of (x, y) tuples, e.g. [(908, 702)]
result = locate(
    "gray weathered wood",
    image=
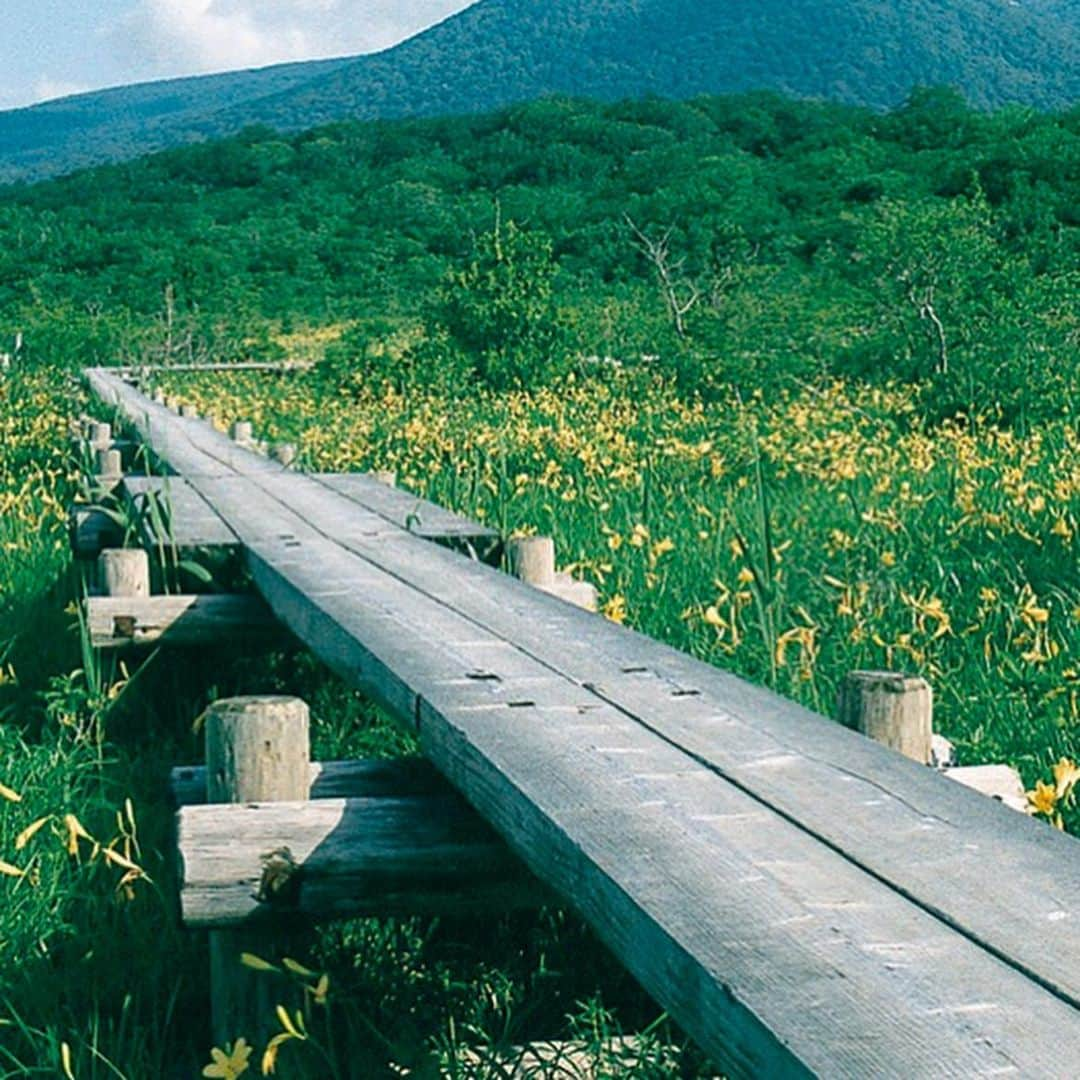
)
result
[(425, 854), (109, 469), (783, 886), (892, 709), (178, 621), (532, 560), (417, 516), (256, 750), (172, 515), (90, 530), (124, 572)]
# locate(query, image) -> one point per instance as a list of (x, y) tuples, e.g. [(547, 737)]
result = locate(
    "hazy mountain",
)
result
[(869, 52)]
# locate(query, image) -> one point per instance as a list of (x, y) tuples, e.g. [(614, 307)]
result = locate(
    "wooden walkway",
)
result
[(801, 899)]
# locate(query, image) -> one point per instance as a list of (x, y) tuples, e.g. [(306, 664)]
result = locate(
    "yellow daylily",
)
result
[(1066, 777), (1043, 798), (229, 1063)]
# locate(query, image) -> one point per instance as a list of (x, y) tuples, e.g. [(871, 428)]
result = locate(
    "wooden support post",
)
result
[(124, 572), (892, 709), (110, 469), (384, 476), (159, 397), (242, 432), (284, 454), (257, 750), (99, 436), (189, 412), (532, 559)]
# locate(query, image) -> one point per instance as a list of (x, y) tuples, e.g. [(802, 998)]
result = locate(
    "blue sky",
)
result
[(49, 48)]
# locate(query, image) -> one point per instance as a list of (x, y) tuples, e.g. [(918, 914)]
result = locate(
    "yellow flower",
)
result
[(229, 1063), (615, 608), (1043, 798), (614, 541), (662, 547), (746, 576), (639, 536), (1061, 528), (7, 793), (713, 617), (888, 558), (1066, 777), (29, 832), (7, 870), (65, 1061), (256, 963)]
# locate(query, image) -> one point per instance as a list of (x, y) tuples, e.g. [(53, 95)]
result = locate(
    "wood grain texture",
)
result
[(174, 516), (893, 709), (802, 900), (179, 621), (423, 854)]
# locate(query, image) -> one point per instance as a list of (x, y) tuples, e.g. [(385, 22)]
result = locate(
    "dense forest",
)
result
[(499, 52), (745, 240)]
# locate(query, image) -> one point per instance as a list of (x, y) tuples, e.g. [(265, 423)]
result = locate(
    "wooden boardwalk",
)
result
[(802, 900)]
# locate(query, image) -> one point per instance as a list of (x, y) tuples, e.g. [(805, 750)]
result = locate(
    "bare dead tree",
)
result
[(923, 302), (680, 293)]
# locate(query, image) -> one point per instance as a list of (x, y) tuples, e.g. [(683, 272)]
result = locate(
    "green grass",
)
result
[(758, 535)]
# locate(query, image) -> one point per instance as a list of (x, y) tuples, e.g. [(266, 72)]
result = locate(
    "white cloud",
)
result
[(174, 36)]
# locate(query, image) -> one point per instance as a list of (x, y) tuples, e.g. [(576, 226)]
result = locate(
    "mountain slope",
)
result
[(869, 52)]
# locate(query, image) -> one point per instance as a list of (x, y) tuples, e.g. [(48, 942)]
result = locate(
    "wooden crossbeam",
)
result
[(801, 899), (422, 854), (179, 621)]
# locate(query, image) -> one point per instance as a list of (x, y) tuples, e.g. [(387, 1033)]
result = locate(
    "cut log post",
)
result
[(189, 412), (242, 432), (892, 709), (284, 454), (109, 469), (178, 621), (256, 751), (158, 397), (384, 476), (532, 559), (124, 572), (99, 436)]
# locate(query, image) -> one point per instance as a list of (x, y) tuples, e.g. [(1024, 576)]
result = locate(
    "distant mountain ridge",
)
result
[(869, 52)]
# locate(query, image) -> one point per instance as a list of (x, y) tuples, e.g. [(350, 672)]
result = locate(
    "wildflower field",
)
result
[(790, 540), (795, 386)]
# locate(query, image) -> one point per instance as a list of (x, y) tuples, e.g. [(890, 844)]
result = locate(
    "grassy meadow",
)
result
[(794, 385)]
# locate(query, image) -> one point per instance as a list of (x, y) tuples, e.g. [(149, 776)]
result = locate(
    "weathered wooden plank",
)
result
[(775, 945), (369, 778), (172, 514), (179, 621), (901, 821), (426, 854), (601, 770), (422, 518)]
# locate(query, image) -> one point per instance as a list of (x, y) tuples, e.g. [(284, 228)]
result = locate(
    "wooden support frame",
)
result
[(179, 621)]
